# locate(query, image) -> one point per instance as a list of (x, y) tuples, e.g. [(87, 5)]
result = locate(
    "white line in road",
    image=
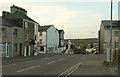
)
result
[(45, 59), (9, 65), (70, 70), (51, 62), (73, 70), (31, 61), (28, 68), (61, 59)]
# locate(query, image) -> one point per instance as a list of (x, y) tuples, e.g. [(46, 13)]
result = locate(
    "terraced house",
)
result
[(18, 33)]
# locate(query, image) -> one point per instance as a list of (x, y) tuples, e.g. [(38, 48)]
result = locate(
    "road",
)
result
[(58, 64)]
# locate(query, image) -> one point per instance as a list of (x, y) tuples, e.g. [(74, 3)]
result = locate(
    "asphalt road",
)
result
[(57, 64)]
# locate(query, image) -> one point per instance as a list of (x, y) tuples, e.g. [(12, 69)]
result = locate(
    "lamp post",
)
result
[(111, 35)]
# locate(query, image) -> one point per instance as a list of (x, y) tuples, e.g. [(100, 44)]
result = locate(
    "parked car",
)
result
[(88, 51), (96, 52)]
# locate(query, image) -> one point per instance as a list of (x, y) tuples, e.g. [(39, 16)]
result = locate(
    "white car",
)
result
[(88, 51)]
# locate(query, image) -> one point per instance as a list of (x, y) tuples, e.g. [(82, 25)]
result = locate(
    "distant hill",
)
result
[(83, 41)]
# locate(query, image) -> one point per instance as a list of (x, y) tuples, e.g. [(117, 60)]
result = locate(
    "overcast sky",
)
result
[(78, 18)]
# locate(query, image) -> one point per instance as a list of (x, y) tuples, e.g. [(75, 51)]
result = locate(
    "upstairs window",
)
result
[(40, 33), (15, 32), (26, 25), (3, 32), (116, 44), (26, 37), (116, 34)]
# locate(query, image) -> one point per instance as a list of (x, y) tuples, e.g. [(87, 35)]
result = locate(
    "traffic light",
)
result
[(30, 42)]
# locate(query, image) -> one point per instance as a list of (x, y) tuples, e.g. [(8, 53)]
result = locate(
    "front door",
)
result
[(7, 50), (20, 49)]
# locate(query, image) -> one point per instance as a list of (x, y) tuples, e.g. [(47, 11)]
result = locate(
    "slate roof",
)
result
[(60, 31), (115, 23), (3, 22), (19, 15), (44, 28), (9, 22)]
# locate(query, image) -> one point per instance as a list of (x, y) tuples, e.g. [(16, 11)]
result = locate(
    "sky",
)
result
[(78, 18)]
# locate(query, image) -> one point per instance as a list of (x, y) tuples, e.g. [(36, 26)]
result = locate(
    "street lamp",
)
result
[(111, 35)]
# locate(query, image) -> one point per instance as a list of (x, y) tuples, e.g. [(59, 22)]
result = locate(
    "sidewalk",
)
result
[(39, 56), (96, 68)]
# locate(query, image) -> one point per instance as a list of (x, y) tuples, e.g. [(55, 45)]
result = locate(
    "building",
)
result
[(24, 32), (104, 35), (61, 47), (48, 39)]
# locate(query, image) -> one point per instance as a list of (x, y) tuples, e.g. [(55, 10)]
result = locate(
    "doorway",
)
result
[(7, 50), (20, 49)]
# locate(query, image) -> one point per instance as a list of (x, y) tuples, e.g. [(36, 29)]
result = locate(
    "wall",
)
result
[(52, 39), (101, 39)]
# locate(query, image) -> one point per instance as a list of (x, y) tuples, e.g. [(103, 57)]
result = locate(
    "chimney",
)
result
[(4, 13), (15, 9)]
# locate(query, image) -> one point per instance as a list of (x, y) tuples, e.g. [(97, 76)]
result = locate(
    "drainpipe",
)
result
[(12, 54)]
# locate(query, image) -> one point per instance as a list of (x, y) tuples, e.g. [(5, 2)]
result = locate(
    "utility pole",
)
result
[(111, 35)]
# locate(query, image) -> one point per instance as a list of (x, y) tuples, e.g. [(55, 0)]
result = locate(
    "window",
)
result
[(26, 37), (15, 47), (40, 41), (116, 34), (1, 47), (4, 47), (116, 44), (40, 33), (35, 37), (15, 32), (26, 25), (3, 32)]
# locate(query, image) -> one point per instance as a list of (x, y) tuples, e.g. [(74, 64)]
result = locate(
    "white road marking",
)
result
[(51, 62), (61, 59), (31, 61), (9, 65), (45, 59), (28, 68), (70, 70)]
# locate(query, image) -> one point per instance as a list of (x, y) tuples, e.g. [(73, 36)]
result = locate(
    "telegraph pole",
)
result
[(111, 34)]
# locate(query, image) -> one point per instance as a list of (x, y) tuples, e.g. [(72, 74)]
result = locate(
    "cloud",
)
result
[(76, 23)]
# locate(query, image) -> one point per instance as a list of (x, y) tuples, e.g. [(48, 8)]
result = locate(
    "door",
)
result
[(25, 52), (20, 49), (7, 50)]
